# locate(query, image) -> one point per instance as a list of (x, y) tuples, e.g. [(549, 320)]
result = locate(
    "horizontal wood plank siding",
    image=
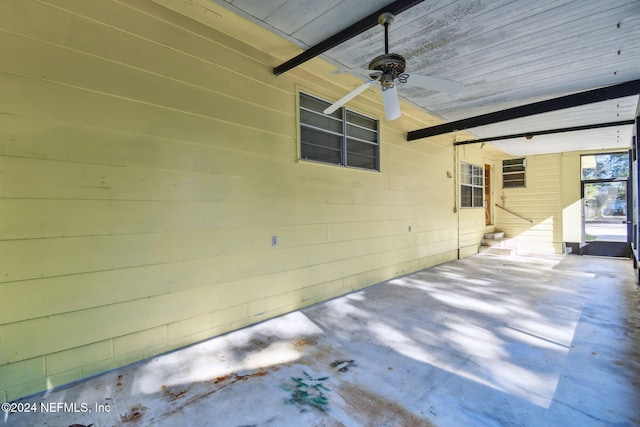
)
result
[(472, 222), (145, 162), (540, 202)]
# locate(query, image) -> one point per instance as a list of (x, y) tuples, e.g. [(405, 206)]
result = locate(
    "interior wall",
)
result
[(146, 162)]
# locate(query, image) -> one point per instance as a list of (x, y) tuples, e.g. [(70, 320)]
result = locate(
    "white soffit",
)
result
[(606, 138)]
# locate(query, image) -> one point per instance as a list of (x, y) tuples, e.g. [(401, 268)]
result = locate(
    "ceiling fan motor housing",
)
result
[(391, 65)]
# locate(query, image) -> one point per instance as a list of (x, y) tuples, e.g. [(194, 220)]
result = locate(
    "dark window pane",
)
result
[(466, 196), (357, 147), (513, 162), (359, 161), (362, 121), (477, 197), (513, 180), (320, 120), (317, 137), (509, 169), (311, 152), (360, 133), (313, 103)]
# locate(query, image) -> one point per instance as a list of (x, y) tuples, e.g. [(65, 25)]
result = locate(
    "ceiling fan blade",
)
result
[(441, 85), (348, 97), (391, 103)]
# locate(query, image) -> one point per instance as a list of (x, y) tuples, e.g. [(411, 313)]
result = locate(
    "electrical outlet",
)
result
[(274, 241)]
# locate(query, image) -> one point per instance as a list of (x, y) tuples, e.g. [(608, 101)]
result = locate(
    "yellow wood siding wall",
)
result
[(571, 200), (472, 222), (145, 162), (540, 201)]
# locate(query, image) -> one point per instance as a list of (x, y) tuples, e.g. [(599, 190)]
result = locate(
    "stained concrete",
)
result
[(483, 341)]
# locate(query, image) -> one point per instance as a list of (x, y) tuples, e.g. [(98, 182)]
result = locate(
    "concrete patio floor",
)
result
[(482, 341)]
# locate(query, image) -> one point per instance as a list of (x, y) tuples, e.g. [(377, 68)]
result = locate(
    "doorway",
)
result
[(487, 195), (605, 193)]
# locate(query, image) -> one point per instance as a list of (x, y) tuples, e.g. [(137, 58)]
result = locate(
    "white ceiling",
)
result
[(507, 53), (616, 137)]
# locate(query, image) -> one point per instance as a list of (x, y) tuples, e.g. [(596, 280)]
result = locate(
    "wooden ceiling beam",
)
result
[(568, 101), (530, 135)]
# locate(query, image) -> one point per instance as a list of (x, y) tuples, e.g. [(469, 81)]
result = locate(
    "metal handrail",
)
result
[(513, 213)]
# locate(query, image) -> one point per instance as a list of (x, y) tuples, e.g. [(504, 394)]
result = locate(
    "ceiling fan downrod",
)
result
[(391, 65), (385, 20)]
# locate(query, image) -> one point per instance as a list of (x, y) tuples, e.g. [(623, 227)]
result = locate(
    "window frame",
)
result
[(346, 133), (473, 185), (507, 174)]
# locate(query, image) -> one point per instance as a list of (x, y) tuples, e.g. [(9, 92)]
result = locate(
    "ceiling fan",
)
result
[(387, 70)]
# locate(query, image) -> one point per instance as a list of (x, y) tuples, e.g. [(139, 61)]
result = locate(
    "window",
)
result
[(513, 173), (343, 137), (604, 166), (471, 186)]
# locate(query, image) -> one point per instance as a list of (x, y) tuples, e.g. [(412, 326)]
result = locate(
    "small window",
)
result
[(513, 173), (471, 186), (343, 138)]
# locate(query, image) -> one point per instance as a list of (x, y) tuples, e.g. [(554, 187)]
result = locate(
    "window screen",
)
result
[(471, 186), (344, 137), (513, 173)]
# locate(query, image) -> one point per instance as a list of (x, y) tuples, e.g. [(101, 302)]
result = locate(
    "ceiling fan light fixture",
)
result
[(386, 81), (389, 63)]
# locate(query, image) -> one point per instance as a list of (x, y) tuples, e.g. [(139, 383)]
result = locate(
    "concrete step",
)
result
[(495, 243), (501, 242), (493, 250), (494, 235)]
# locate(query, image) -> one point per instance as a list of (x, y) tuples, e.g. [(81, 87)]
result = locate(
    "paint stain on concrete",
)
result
[(308, 392), (135, 413), (304, 342), (371, 409), (221, 379), (172, 395), (234, 378), (191, 398), (246, 377)]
